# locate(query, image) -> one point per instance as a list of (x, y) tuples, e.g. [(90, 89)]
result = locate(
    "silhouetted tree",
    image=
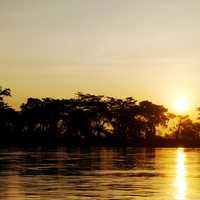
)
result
[(152, 116), (123, 117), (4, 93), (91, 119), (8, 117)]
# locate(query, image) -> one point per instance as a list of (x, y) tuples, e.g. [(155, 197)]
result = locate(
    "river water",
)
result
[(100, 173)]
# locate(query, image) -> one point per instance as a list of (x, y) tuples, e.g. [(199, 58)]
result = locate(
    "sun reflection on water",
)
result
[(180, 175)]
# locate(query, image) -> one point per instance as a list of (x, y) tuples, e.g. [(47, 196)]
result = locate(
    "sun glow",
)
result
[(181, 105)]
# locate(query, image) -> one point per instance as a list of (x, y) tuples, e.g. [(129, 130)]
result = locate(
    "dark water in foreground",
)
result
[(100, 173)]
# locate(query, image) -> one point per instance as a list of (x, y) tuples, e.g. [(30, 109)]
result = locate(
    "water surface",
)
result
[(100, 173)]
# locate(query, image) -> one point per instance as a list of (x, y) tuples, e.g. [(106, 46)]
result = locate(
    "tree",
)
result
[(41, 118), (123, 117), (90, 114), (4, 93), (8, 117), (152, 116)]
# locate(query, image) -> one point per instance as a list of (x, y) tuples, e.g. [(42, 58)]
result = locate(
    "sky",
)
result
[(139, 48)]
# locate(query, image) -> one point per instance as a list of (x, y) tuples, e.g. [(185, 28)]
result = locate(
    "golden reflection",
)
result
[(180, 175)]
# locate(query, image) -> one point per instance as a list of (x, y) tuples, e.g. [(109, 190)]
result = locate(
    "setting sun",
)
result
[(181, 105)]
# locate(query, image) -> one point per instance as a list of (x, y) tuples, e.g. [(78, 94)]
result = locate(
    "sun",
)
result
[(181, 105)]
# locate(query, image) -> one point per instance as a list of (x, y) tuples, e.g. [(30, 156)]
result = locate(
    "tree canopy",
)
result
[(93, 120)]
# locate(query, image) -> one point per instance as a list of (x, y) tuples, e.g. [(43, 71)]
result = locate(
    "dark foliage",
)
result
[(90, 120)]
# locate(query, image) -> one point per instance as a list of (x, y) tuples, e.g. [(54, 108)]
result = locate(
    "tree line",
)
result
[(93, 120)]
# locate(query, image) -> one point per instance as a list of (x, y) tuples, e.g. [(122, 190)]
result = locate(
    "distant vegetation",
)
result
[(94, 120)]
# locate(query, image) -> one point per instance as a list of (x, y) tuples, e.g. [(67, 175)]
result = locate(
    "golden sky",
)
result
[(140, 48)]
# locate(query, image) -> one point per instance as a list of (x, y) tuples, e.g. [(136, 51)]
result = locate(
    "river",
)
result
[(100, 173)]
